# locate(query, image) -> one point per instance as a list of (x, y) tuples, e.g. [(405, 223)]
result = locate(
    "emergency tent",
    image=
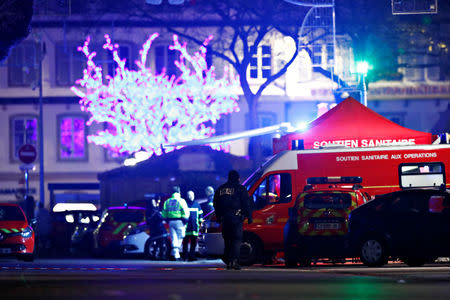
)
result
[(351, 124)]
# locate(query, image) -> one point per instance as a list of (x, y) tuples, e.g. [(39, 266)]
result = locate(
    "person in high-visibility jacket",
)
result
[(176, 212), (192, 227)]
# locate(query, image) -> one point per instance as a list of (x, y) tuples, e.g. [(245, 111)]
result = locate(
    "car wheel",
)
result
[(157, 249), (251, 250), (415, 261), (164, 250), (373, 252)]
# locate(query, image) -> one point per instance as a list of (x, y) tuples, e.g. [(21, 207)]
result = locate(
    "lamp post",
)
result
[(362, 68)]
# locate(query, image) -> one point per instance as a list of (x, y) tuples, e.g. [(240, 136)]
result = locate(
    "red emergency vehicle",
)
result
[(318, 221), (383, 169), (16, 234), (114, 224), (348, 140)]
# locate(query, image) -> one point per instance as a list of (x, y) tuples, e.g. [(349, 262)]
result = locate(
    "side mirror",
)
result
[(33, 222)]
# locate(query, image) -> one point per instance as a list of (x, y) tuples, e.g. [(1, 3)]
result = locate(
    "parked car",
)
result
[(412, 225), (16, 235), (81, 242), (139, 240), (210, 240), (113, 225), (318, 222), (64, 224)]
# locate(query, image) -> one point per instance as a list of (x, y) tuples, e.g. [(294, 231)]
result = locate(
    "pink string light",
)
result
[(144, 110)]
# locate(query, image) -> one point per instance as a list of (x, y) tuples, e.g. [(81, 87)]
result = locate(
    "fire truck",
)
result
[(275, 186), (349, 140)]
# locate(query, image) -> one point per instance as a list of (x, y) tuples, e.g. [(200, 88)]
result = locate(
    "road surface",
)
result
[(207, 279)]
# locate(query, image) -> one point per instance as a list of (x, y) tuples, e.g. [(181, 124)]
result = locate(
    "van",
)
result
[(318, 222), (114, 224), (275, 186)]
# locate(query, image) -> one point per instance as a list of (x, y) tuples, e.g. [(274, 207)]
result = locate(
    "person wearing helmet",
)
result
[(232, 205)]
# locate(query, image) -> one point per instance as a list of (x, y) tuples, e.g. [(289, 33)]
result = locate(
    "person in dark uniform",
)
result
[(232, 205), (155, 225)]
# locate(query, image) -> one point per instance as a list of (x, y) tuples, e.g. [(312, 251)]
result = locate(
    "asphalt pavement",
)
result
[(207, 279)]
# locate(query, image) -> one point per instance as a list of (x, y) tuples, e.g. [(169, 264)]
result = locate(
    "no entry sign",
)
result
[(27, 153)]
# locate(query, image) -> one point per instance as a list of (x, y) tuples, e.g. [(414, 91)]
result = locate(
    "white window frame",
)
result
[(15, 147), (85, 145), (259, 66), (25, 64), (165, 60), (102, 59), (74, 58)]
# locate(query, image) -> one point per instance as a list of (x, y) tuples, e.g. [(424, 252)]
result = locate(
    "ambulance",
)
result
[(349, 140), (276, 185), (319, 221)]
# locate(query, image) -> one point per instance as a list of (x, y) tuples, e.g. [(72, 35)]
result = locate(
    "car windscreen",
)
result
[(11, 213), (127, 215), (328, 200)]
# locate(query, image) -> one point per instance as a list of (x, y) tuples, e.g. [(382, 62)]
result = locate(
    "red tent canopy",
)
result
[(353, 125)]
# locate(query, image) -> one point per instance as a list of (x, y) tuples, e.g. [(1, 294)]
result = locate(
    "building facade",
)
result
[(418, 101)]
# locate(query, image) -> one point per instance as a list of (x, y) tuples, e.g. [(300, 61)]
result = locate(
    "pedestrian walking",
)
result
[(176, 213), (192, 227), (232, 205)]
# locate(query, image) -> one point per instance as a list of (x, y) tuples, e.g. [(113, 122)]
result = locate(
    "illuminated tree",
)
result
[(145, 110)]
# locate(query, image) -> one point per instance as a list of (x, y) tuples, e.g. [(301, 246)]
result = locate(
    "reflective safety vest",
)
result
[(195, 217), (175, 208)]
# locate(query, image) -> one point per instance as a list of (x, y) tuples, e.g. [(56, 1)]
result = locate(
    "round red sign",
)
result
[(27, 153)]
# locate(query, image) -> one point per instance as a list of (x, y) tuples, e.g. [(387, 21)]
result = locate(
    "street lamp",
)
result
[(362, 68)]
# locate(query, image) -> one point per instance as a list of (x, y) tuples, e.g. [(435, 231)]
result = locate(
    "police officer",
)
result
[(232, 205), (176, 212)]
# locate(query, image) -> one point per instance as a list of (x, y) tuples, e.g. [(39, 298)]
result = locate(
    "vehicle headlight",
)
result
[(27, 232)]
